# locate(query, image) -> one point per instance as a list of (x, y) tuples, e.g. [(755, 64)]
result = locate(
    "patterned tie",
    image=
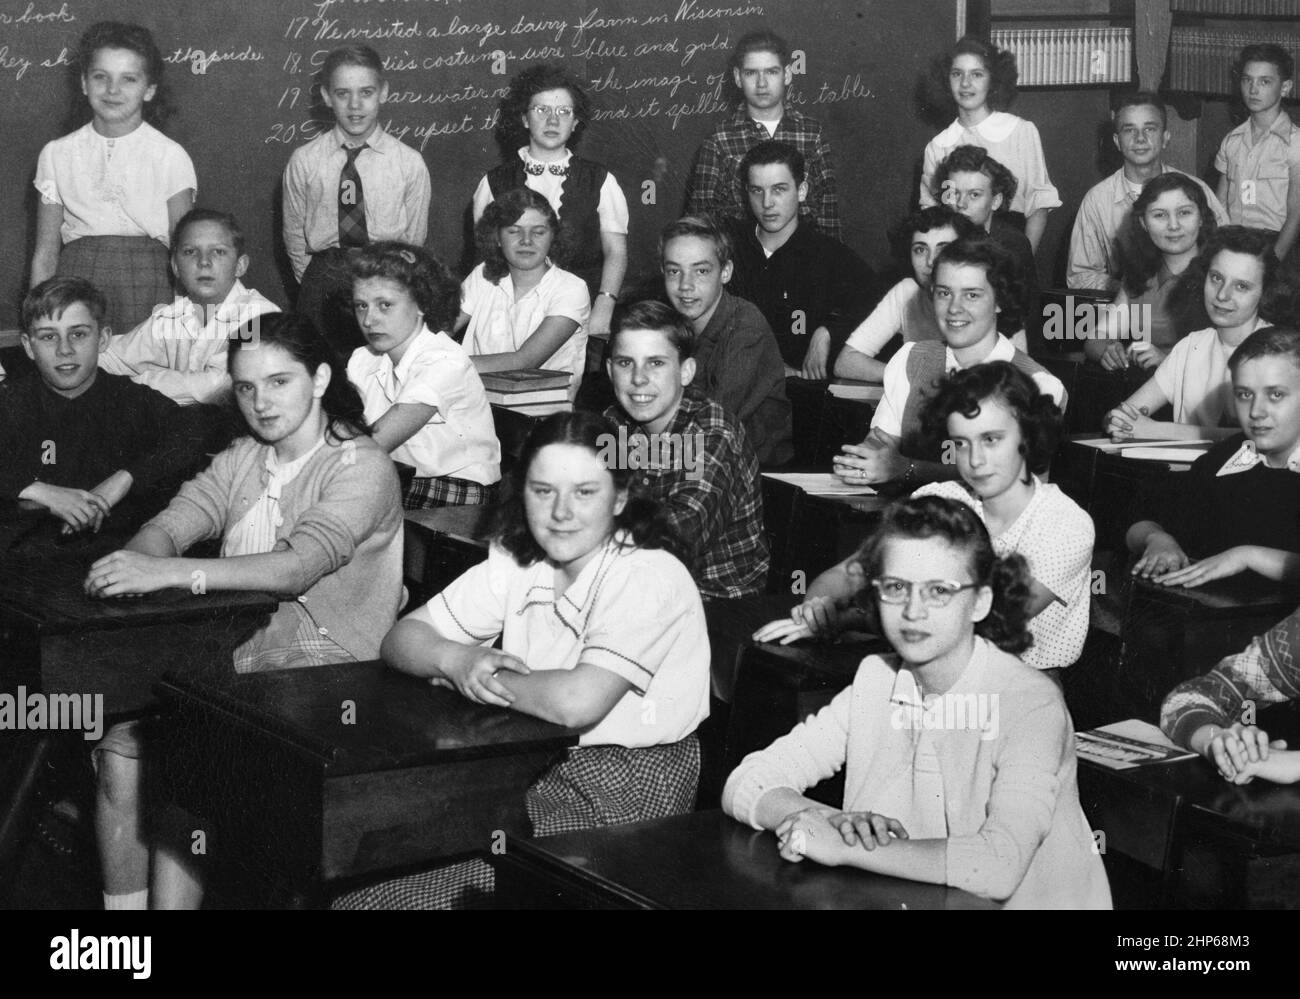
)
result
[(352, 204)]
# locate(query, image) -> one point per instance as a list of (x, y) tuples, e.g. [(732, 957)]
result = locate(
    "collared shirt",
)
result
[(888, 416), (612, 208), (500, 323), (175, 352), (1194, 378), (632, 611), (1010, 140), (394, 187), (255, 533), (717, 188), (714, 500), (1055, 536), (1259, 172), (1246, 457), (810, 281), (1093, 261), (114, 187), (738, 366), (459, 440)]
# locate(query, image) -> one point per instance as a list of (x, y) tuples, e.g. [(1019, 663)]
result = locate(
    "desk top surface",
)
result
[(465, 523), (1245, 592), (393, 719), (45, 588), (706, 860)]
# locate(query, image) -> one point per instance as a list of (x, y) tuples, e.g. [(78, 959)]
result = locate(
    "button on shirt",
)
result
[(1259, 172)]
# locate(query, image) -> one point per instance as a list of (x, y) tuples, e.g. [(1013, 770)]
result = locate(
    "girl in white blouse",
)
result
[(113, 190), (959, 760)]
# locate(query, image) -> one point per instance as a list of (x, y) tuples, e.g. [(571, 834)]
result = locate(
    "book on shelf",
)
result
[(1127, 744)]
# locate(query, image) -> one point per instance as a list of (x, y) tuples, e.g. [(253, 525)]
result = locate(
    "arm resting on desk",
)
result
[(1271, 563)]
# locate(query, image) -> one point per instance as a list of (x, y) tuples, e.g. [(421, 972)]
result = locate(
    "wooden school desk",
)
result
[(703, 860), (1170, 634), (299, 778), (58, 640), (1211, 844), (440, 544)]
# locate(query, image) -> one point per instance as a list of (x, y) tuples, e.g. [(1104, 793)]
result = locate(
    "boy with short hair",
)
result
[(812, 289), (1238, 508), (180, 350), (350, 186), (760, 67), (1141, 134), (710, 489), (77, 441), (737, 363), (1259, 160)]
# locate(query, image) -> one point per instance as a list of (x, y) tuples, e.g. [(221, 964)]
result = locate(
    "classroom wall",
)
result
[(241, 73)]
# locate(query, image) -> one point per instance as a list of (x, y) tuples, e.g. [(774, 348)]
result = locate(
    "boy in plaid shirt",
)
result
[(761, 68)]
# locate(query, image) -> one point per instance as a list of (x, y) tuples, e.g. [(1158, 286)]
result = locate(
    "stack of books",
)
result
[(528, 389)]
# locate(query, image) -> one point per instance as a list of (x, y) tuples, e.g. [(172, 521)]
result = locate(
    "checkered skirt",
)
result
[(591, 786), (425, 493), (131, 271)]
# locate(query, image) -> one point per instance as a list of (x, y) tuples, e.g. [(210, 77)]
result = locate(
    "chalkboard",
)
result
[(241, 75)]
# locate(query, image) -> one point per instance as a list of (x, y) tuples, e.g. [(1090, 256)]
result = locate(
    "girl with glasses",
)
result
[(959, 760), (544, 111)]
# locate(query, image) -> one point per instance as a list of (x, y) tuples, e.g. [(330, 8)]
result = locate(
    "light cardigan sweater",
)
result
[(342, 519), (1016, 831)]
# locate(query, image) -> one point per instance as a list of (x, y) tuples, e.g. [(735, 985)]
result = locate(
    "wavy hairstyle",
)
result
[(1007, 623), (505, 212), (1000, 63), (927, 220), (132, 38), (298, 337), (434, 288), (1264, 52), (1000, 268), (643, 518), (527, 84), (1276, 303), (975, 159), (967, 390), (1138, 257)]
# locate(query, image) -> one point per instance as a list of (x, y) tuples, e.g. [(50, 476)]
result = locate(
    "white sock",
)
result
[(130, 900)]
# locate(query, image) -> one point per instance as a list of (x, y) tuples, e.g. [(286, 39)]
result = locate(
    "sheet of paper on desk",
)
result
[(820, 484), (1126, 744), (1110, 447), (1185, 451)]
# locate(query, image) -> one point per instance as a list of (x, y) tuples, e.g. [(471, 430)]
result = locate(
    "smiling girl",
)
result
[(518, 310), (602, 630), (1240, 288), (422, 395), (307, 506), (113, 190), (1170, 223), (981, 80), (985, 800)]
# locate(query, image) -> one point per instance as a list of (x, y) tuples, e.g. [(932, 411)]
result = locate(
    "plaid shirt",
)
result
[(717, 508), (1265, 673), (717, 189)]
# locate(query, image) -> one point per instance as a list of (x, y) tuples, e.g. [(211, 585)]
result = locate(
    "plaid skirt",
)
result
[(325, 297), (131, 271), (591, 786), (425, 493)]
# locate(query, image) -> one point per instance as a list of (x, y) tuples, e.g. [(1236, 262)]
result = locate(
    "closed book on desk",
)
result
[(525, 379), (540, 408), (1127, 744), (1184, 453), (851, 388), (515, 400)]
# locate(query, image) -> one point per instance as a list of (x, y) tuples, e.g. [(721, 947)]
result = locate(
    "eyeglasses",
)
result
[(934, 592), (546, 111)]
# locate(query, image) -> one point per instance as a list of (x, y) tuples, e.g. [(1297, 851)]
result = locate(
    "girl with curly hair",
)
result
[(602, 630), (544, 112), (959, 760), (980, 79), (518, 308)]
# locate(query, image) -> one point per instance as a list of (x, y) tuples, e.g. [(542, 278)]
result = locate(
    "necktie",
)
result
[(352, 205)]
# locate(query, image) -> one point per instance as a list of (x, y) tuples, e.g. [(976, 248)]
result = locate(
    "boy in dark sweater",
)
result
[(1238, 508), (79, 442)]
